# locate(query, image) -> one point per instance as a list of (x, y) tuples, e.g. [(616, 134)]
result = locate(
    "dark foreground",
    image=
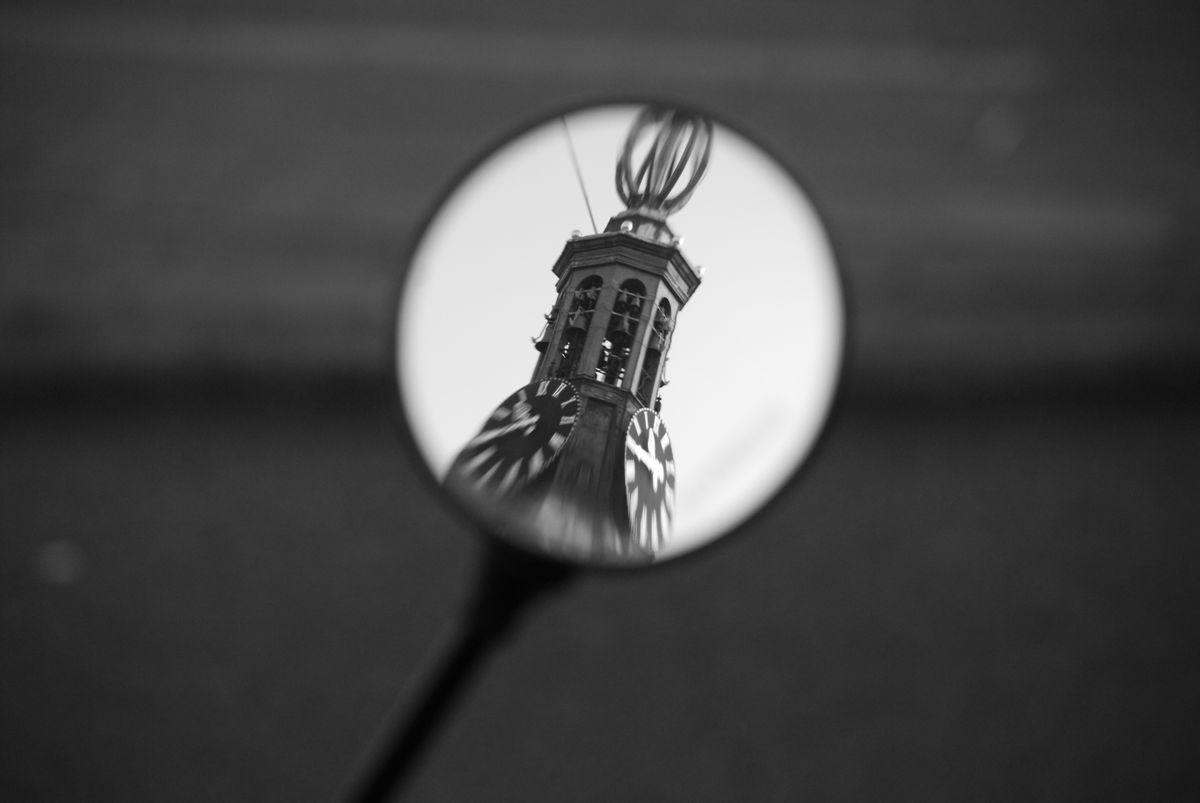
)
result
[(215, 593)]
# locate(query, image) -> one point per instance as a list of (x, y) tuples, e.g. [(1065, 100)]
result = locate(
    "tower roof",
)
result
[(619, 246)]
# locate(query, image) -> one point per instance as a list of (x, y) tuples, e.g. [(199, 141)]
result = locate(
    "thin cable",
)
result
[(578, 174)]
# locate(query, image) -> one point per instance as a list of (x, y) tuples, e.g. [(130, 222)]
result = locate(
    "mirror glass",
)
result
[(612, 385)]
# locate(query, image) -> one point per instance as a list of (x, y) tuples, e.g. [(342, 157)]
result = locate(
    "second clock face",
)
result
[(521, 437), (649, 480)]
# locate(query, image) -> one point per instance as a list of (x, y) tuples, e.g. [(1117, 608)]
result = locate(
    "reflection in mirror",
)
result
[(599, 394)]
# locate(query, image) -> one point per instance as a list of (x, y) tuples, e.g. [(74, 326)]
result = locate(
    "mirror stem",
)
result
[(507, 582)]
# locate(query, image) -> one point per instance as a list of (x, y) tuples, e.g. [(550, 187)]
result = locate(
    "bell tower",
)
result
[(608, 336)]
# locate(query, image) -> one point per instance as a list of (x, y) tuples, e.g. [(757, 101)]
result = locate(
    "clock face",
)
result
[(521, 437), (649, 480)]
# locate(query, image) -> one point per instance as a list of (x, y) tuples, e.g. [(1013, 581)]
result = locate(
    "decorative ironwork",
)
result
[(663, 177)]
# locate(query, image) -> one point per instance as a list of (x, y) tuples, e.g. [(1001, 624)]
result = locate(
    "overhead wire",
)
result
[(578, 173)]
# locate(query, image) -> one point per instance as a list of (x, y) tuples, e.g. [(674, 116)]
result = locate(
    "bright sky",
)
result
[(756, 351)]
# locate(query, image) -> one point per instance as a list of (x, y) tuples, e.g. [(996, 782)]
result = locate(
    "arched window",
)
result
[(586, 294), (621, 331), (579, 318), (656, 346)]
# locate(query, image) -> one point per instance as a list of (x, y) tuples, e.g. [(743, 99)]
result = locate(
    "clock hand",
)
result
[(528, 422), (652, 464), (656, 468)]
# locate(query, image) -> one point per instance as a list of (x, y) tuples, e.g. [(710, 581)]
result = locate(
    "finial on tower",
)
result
[(664, 177)]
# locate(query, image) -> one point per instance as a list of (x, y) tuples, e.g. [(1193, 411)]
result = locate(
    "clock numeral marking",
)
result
[(558, 390), (536, 461), (487, 476), (645, 524), (510, 479), (521, 395), (670, 465), (637, 425), (543, 386), (485, 435), (630, 470), (557, 440), (566, 420), (666, 441), (476, 462), (501, 412)]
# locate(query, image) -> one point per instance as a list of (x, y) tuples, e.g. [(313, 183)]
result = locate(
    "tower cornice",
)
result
[(631, 251)]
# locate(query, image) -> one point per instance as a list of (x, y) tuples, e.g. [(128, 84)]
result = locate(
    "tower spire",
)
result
[(650, 179), (663, 159)]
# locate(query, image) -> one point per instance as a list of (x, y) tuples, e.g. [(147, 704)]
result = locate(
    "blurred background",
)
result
[(218, 565)]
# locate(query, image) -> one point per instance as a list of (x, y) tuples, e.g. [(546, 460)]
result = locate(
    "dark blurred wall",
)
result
[(217, 566)]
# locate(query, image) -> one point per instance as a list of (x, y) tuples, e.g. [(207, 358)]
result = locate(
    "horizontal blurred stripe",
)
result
[(523, 53), (237, 194)]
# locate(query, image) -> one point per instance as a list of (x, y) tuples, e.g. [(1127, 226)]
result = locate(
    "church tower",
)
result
[(580, 456)]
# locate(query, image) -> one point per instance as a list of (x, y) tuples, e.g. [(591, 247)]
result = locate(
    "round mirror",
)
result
[(588, 384)]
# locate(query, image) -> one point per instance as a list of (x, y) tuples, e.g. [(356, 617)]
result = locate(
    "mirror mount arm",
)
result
[(509, 579), (507, 582)]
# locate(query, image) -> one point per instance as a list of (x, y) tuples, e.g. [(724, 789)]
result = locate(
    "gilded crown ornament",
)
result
[(661, 178)]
